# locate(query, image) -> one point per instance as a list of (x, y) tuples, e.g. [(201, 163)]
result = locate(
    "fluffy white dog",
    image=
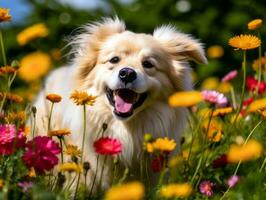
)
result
[(132, 75)]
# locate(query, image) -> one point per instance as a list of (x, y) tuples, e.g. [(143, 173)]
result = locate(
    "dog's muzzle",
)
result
[(127, 75)]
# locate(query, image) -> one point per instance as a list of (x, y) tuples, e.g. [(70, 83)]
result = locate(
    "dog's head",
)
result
[(132, 70)]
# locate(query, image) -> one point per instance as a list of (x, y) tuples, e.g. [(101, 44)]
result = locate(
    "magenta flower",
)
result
[(41, 153), (214, 97), (107, 146), (233, 180), (10, 139), (230, 76), (25, 185), (206, 188)]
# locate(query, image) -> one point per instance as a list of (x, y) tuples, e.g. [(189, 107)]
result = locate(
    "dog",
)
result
[(132, 75)]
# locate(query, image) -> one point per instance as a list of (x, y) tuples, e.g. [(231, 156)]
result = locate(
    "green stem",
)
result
[(233, 96), (243, 85), (101, 175), (263, 164), (50, 117), (61, 146), (260, 66), (2, 48), (93, 182)]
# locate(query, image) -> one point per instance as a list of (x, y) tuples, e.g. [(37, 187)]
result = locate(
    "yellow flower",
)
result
[(11, 97), (215, 130), (4, 15), (7, 70), (249, 151), (185, 154), (82, 98), (256, 105), (215, 51), (59, 133), (54, 98), (185, 98), (210, 83), (181, 190), (224, 87), (126, 191), (70, 167), (16, 116), (34, 66), (32, 172), (72, 150), (164, 144), (256, 64), (254, 24), (33, 32), (222, 111), (149, 148), (245, 42), (175, 161)]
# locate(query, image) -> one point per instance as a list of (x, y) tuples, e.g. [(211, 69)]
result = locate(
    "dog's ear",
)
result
[(86, 45), (179, 45)]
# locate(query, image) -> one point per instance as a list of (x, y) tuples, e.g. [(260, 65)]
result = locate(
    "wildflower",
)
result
[(107, 146), (254, 24), (245, 42), (34, 65), (174, 161), (185, 98), (25, 185), (263, 113), (256, 105), (185, 154), (149, 147), (224, 87), (41, 153), (72, 150), (233, 180), (252, 85), (222, 111), (214, 97), (181, 190), (206, 188), (1, 183), (16, 116), (4, 15), (259, 63), (82, 98), (214, 130), (126, 191), (70, 167), (230, 76), (210, 83), (11, 97), (164, 145), (32, 172), (220, 162), (59, 133), (215, 51), (157, 163), (31, 33), (7, 70), (251, 150), (10, 139), (54, 98), (248, 101)]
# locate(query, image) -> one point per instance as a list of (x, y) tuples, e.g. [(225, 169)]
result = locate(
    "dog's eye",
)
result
[(114, 59), (147, 64)]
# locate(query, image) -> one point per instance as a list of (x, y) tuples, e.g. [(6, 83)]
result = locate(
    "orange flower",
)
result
[(222, 111), (181, 190), (215, 130), (254, 24), (59, 133), (256, 105), (4, 15), (185, 98), (82, 98), (16, 116), (7, 70), (245, 42), (11, 97), (215, 51), (259, 62), (54, 98)]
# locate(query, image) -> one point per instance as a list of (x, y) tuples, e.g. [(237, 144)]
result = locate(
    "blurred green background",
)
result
[(213, 22)]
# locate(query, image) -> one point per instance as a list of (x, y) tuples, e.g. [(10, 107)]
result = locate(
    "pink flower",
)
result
[(233, 180), (107, 146), (230, 76), (214, 97), (206, 188), (10, 139), (25, 185), (41, 153)]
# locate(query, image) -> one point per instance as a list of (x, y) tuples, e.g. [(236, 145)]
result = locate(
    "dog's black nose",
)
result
[(127, 75)]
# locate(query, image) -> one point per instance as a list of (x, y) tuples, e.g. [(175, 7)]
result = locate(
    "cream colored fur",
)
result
[(90, 71)]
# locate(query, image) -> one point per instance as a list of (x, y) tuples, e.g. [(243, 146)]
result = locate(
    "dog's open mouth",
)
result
[(125, 101)]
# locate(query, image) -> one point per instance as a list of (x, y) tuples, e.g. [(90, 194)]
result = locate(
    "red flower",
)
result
[(107, 146), (157, 163), (248, 101), (220, 161), (41, 153), (252, 85), (10, 139)]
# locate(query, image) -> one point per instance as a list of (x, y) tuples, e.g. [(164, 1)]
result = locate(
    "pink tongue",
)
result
[(122, 106)]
